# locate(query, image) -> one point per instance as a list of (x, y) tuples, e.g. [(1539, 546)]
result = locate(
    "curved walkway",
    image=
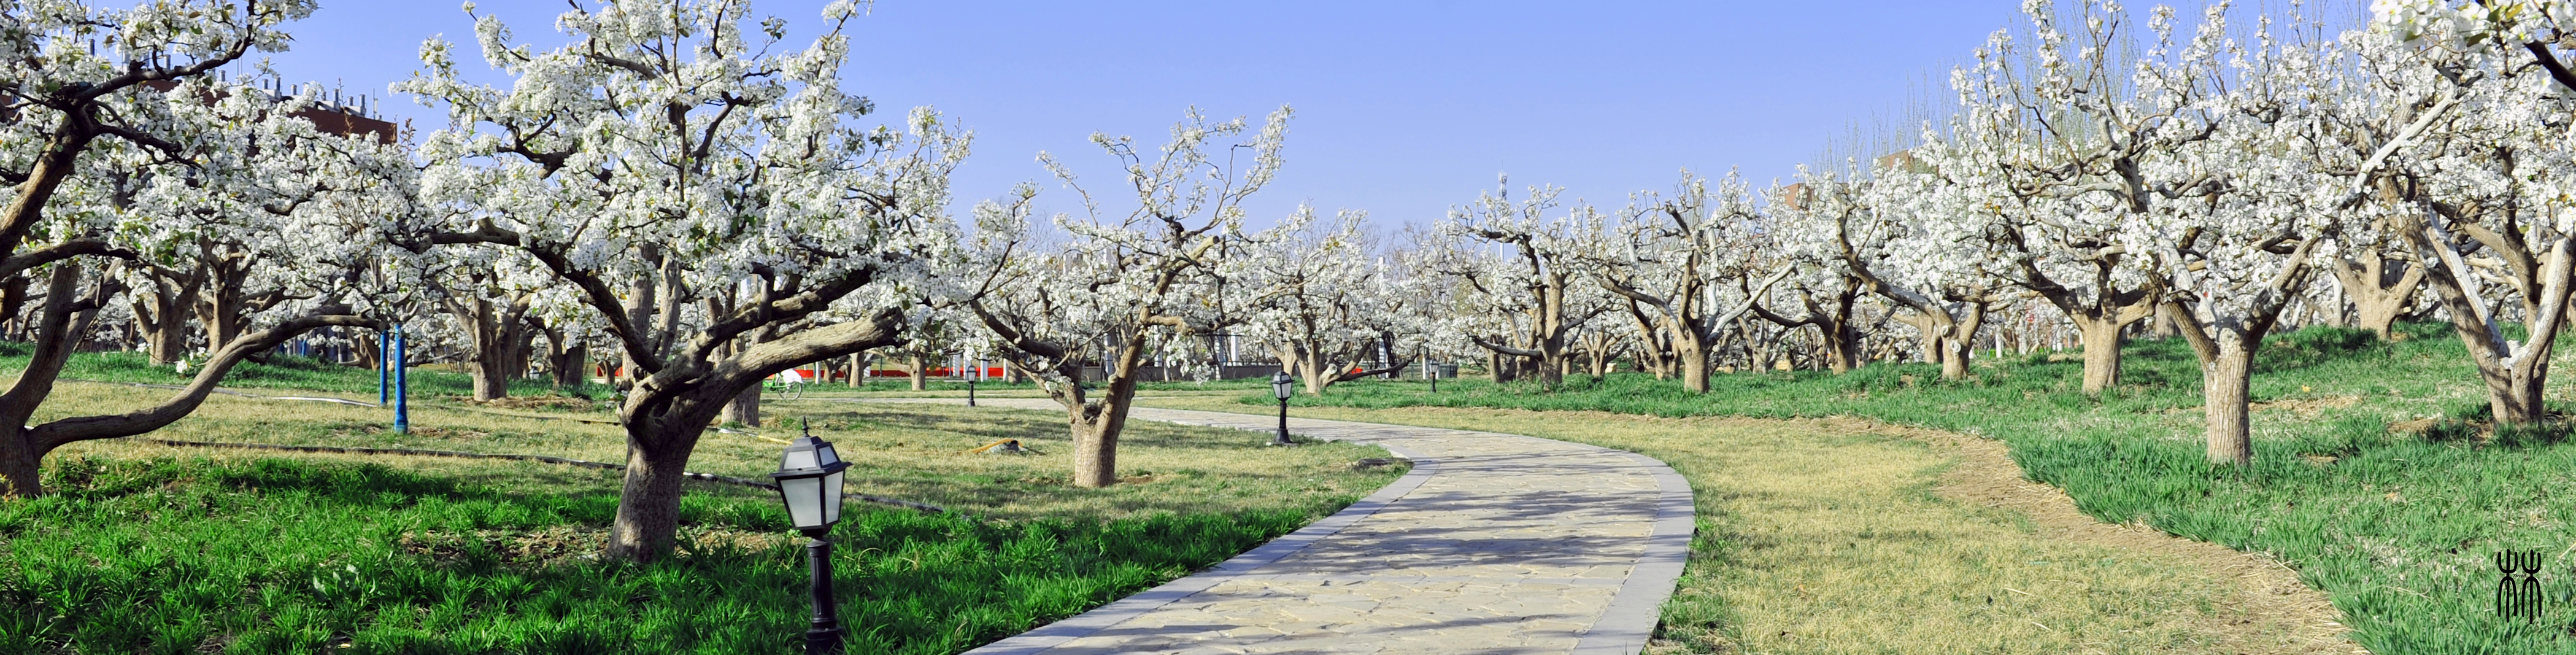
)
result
[(1494, 543)]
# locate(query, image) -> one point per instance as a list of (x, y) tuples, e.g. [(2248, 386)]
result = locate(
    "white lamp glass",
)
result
[(1279, 385), (831, 498), (804, 498), (809, 482)]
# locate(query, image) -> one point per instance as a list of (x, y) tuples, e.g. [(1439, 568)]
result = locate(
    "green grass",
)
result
[(274, 555), (2396, 527), (156, 549), (279, 372)]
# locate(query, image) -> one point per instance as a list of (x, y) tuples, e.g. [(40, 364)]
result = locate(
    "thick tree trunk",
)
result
[(13, 298), (1499, 367), (2380, 289), (2515, 397), (2224, 400), (56, 326), (920, 374), (1961, 345), (1691, 353), (744, 408), (2102, 340), (491, 381), (166, 340), (567, 366), (2513, 380), (1095, 448), (162, 314), (20, 465), (648, 501), (1840, 348), (501, 341)]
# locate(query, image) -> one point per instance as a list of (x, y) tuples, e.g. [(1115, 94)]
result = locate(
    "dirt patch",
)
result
[(2273, 612), (564, 544), (549, 402), (2306, 407)]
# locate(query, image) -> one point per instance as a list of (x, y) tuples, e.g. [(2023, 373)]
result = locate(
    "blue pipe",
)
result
[(402, 383)]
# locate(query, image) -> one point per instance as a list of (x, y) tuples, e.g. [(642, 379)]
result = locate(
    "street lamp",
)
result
[(1430, 371), (1282, 386), (809, 482)]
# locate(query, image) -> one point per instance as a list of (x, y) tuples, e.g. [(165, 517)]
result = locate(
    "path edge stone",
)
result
[(1638, 607)]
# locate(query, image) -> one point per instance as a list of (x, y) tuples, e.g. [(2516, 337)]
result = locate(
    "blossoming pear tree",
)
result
[(1674, 267), (1325, 306), (2042, 124), (126, 155), (2494, 206), (1878, 228), (1128, 283), (1532, 290), (713, 197)]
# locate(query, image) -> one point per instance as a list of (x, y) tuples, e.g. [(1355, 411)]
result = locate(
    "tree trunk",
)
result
[(57, 325), (501, 341), (20, 465), (2102, 340), (744, 408), (1961, 345), (491, 381), (648, 501), (2519, 400), (1495, 365), (1691, 353), (568, 366), (2224, 402), (1840, 348), (1095, 447), (920, 375), (2380, 289)]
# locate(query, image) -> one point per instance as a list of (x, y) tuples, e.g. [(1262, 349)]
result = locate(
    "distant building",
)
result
[(329, 113)]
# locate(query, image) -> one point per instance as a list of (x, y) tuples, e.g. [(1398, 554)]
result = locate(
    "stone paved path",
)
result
[(1494, 543)]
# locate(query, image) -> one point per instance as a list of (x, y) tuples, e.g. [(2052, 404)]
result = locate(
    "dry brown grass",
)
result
[(1852, 537)]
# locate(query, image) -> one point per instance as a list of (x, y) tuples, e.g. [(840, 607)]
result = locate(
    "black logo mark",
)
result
[(2518, 596)]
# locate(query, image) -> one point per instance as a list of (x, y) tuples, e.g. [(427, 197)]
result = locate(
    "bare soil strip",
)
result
[(2274, 612)]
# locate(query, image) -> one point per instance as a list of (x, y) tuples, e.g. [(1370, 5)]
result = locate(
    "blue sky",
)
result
[(1404, 109)]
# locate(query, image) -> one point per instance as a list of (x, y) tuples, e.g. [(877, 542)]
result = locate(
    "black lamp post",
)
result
[(809, 482), (1282, 386), (1430, 370)]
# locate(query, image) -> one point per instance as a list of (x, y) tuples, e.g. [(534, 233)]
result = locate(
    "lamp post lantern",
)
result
[(809, 483), (1282, 386)]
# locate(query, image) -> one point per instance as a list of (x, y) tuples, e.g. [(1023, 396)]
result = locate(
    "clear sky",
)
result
[(1404, 108)]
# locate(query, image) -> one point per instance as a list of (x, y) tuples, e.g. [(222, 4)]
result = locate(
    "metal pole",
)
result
[(402, 382), (384, 378), (824, 638), (1282, 439)]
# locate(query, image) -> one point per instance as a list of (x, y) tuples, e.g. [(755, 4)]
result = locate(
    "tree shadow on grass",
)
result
[(277, 556)]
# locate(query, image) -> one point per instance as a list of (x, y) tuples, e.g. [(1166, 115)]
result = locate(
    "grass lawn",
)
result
[(2366, 477), (1802, 522), (155, 549)]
